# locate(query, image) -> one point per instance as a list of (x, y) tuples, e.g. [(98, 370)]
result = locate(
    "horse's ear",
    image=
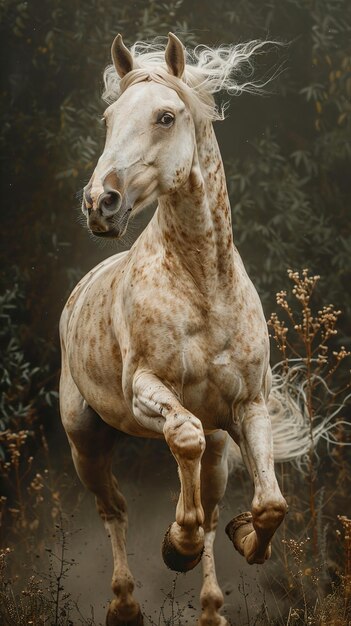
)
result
[(121, 57), (175, 57)]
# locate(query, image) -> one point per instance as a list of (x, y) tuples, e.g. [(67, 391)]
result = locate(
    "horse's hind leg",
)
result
[(251, 532), (92, 442), (214, 474)]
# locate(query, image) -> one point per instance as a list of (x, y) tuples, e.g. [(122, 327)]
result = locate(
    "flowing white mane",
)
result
[(228, 68)]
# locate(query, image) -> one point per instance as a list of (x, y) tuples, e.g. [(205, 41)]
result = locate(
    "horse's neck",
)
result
[(196, 221)]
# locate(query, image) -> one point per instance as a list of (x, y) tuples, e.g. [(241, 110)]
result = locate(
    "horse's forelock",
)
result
[(197, 104)]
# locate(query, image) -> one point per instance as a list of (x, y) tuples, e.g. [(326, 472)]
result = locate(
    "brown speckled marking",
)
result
[(169, 339)]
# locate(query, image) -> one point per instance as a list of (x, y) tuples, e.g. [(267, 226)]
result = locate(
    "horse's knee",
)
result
[(269, 514), (185, 436), (211, 597), (122, 587)]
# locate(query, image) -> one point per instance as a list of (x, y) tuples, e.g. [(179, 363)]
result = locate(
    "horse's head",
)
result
[(150, 141)]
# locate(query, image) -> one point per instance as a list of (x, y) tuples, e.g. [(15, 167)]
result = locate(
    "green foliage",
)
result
[(28, 399), (290, 192), (26, 385), (16, 372), (279, 213)]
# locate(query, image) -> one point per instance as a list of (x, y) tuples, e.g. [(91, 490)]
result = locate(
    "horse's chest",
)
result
[(219, 374), (211, 360)]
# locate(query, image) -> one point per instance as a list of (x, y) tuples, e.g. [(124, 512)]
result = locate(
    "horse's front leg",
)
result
[(251, 532), (155, 407)]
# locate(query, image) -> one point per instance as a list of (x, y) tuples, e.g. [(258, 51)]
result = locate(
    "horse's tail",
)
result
[(295, 435)]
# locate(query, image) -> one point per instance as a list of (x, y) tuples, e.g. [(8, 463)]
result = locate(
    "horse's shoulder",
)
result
[(93, 276)]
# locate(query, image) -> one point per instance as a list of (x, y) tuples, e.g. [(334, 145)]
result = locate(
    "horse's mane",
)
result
[(208, 71)]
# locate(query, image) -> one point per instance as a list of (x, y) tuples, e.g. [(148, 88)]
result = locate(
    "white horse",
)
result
[(169, 338)]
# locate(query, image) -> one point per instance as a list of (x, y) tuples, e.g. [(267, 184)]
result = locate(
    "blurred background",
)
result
[(287, 157)]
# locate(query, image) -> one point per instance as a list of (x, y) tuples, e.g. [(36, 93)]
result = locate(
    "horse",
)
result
[(168, 339)]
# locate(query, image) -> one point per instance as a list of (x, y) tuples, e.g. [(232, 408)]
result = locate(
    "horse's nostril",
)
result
[(109, 199), (110, 202)]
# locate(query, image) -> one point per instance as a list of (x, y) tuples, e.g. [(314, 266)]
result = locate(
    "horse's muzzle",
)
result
[(112, 227), (114, 233)]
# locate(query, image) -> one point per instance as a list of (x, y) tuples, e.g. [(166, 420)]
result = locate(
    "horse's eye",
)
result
[(166, 119)]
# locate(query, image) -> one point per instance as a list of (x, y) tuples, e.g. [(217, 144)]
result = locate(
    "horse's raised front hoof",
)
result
[(238, 528), (242, 534), (112, 619), (174, 559)]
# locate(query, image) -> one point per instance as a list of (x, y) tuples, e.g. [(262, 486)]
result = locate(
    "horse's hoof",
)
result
[(239, 527), (242, 534), (112, 619), (174, 559)]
